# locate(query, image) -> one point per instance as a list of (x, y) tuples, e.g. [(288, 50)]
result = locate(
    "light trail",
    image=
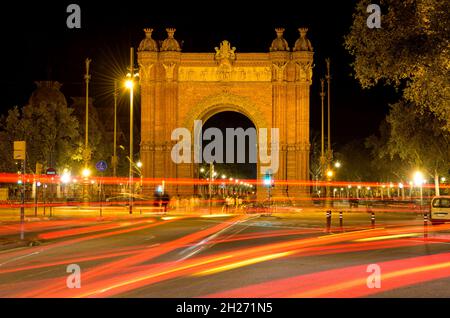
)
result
[(43, 248), (351, 281), (119, 284), (45, 179), (146, 255)]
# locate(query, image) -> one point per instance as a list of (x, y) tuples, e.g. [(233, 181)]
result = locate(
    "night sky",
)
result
[(37, 45)]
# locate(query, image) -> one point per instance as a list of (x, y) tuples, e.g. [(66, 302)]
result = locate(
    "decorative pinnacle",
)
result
[(148, 32), (279, 32), (303, 32), (171, 32)]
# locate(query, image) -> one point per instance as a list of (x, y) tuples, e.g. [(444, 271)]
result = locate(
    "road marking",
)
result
[(20, 257), (386, 237), (197, 248)]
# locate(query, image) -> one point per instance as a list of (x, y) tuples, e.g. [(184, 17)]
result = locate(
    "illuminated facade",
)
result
[(272, 89)]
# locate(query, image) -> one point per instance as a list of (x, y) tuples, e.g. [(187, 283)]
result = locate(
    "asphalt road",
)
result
[(230, 256)]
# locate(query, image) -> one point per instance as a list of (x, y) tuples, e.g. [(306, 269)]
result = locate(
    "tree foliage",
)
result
[(356, 163), (410, 139), (50, 131), (410, 51)]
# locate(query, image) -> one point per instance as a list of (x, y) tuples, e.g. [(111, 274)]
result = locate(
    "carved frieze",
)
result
[(217, 74)]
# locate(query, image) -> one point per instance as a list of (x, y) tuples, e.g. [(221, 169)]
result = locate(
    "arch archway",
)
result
[(231, 176), (270, 88)]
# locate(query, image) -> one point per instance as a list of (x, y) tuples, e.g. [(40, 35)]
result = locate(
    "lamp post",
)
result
[(328, 78), (418, 181), (130, 85), (322, 146), (114, 158), (330, 175), (139, 169), (87, 152), (329, 151)]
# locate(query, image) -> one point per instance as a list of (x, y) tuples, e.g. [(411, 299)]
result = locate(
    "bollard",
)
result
[(425, 225), (328, 220), (372, 219), (341, 219)]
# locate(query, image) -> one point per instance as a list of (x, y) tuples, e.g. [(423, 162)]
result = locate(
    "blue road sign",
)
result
[(101, 165)]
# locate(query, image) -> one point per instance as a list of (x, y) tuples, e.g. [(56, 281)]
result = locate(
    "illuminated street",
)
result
[(230, 256)]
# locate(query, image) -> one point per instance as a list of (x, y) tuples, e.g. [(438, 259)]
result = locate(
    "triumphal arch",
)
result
[(271, 88)]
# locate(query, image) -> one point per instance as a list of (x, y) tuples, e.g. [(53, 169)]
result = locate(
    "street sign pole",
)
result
[(37, 180), (101, 166), (22, 208), (35, 200), (101, 195), (20, 154)]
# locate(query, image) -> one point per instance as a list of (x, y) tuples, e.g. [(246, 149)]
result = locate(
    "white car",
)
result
[(440, 209)]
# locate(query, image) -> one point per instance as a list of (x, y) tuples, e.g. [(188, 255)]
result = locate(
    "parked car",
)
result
[(440, 209)]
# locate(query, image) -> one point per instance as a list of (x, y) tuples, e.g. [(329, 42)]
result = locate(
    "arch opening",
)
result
[(234, 153)]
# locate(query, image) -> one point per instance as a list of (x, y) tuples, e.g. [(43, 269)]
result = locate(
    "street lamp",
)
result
[(114, 158), (337, 164), (86, 151), (65, 178), (330, 173), (139, 170), (86, 172), (418, 181), (129, 84)]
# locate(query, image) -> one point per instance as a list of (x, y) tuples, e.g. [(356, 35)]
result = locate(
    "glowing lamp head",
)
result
[(86, 172), (337, 164), (330, 173), (129, 83), (65, 178), (418, 178), (139, 164)]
